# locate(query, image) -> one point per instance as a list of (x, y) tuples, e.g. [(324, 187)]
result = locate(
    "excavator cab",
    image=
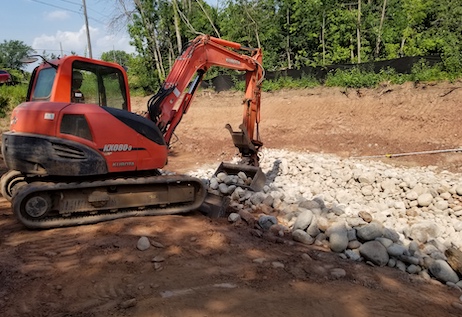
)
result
[(80, 80)]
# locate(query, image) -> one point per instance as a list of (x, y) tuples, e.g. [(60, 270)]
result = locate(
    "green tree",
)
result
[(444, 34), (11, 53), (116, 56)]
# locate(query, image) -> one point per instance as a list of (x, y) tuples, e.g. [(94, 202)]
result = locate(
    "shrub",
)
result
[(10, 97)]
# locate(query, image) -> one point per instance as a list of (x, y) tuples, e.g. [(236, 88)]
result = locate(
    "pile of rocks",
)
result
[(408, 218)]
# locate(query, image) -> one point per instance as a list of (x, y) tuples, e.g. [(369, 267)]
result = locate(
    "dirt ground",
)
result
[(207, 267)]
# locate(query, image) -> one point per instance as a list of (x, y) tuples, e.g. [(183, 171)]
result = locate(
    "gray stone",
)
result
[(213, 183), (242, 175), (277, 265), (354, 244), (313, 229), (265, 222), (338, 272), (391, 234), (375, 252), (351, 234), (353, 254), (400, 265), (413, 269), (396, 250), (409, 259), (268, 201), (221, 176), (303, 220), (386, 242), (302, 236), (413, 247), (338, 239), (143, 244), (223, 188), (443, 272), (320, 202), (309, 204), (234, 217), (257, 198), (391, 262), (370, 231)]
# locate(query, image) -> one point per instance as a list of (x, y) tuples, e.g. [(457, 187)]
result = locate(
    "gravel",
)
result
[(366, 210)]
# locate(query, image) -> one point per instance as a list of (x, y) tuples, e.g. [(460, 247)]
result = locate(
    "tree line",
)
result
[(293, 33), (296, 33)]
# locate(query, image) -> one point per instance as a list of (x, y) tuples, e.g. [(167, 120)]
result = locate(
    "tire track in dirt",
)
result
[(48, 254)]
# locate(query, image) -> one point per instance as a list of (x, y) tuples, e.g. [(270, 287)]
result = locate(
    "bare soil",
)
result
[(207, 266)]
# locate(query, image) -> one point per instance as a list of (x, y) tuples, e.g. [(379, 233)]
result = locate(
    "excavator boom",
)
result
[(171, 102)]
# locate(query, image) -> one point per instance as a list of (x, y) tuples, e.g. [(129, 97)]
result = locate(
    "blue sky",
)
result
[(59, 26)]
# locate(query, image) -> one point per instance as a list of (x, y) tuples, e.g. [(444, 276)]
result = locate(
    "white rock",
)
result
[(459, 190), (425, 200)]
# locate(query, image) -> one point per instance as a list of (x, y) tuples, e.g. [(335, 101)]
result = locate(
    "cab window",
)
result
[(44, 84), (100, 85)]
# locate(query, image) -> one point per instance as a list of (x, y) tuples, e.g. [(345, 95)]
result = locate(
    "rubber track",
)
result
[(80, 218)]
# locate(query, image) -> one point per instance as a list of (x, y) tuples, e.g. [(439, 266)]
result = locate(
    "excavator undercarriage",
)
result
[(42, 205)]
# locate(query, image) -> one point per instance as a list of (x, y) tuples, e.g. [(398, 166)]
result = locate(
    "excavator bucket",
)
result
[(216, 206), (247, 147), (255, 173)]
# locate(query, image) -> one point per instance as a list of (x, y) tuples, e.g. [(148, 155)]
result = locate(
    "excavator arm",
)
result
[(171, 102)]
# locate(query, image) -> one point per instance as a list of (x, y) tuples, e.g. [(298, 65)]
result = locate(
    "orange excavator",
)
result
[(76, 153)]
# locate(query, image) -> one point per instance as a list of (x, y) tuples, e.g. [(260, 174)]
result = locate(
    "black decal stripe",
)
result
[(143, 126)]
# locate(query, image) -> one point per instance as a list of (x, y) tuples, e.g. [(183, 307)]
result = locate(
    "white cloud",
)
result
[(57, 15), (77, 42)]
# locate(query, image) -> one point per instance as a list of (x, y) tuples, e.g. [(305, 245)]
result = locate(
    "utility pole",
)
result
[(88, 29)]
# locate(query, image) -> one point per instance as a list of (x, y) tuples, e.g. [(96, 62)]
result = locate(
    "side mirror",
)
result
[(28, 59)]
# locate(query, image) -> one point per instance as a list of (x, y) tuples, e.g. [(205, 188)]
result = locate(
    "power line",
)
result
[(72, 2), (55, 6), (89, 9), (65, 9)]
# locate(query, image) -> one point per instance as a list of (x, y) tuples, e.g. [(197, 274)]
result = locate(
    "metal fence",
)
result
[(401, 65)]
